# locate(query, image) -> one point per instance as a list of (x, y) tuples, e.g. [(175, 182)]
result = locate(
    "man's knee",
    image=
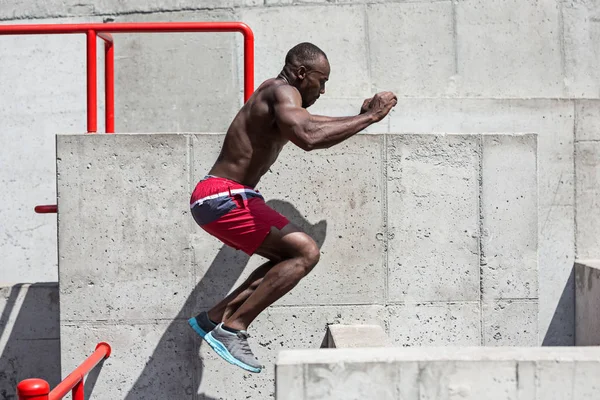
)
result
[(310, 254)]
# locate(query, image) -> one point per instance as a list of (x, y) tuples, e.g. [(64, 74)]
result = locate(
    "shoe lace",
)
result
[(245, 346)]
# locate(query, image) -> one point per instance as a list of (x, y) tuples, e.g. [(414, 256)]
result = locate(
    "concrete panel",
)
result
[(193, 74), (416, 58), (278, 29), (581, 33), (502, 54), (437, 324), (509, 217), (336, 196), (29, 335), (510, 323), (588, 191), (557, 381), (123, 225), (137, 367), (587, 303), (587, 123), (433, 257)]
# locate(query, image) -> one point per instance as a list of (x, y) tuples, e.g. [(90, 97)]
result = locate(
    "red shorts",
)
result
[(235, 214)]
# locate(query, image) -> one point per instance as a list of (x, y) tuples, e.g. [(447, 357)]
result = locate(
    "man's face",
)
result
[(313, 83)]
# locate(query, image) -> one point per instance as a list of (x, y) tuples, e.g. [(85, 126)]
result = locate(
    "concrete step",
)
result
[(347, 336)]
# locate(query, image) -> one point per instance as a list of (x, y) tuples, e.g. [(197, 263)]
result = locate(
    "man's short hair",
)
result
[(304, 53)]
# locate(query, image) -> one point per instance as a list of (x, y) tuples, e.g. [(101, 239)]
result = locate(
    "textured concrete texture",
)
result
[(519, 373), (587, 303), (469, 66), (346, 336), (134, 266), (29, 335)]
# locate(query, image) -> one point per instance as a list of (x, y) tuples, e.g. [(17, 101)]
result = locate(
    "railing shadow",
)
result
[(159, 379), (29, 336)]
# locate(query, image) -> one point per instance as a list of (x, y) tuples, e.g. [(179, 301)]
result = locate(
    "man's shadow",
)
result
[(174, 371)]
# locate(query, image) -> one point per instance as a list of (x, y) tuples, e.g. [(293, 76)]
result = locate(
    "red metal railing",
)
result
[(104, 32), (39, 389)]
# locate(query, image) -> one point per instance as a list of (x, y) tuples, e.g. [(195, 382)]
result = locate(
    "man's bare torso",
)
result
[(253, 140)]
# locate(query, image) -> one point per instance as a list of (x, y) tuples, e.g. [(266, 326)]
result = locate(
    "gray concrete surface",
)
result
[(518, 373), (134, 266), (346, 336), (587, 303)]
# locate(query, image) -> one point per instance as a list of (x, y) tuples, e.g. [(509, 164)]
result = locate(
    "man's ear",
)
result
[(301, 74)]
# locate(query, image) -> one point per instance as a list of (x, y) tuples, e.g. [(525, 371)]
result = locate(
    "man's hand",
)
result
[(379, 105)]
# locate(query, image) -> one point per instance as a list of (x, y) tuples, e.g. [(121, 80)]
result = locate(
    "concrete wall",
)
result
[(439, 373), (417, 234), (468, 66)]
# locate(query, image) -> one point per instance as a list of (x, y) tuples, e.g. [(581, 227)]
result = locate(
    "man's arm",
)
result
[(311, 132)]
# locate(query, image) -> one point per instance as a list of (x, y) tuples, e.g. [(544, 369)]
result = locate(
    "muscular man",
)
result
[(226, 204)]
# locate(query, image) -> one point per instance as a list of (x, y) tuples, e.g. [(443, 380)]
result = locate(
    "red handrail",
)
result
[(39, 389), (103, 31)]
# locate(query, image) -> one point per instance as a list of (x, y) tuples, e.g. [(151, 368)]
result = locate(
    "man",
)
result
[(226, 205)]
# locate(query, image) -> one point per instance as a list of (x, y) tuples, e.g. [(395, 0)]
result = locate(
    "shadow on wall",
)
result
[(29, 335), (163, 376), (561, 331)]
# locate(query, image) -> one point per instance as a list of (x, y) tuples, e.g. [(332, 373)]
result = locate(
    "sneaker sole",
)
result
[(194, 324), (222, 351)]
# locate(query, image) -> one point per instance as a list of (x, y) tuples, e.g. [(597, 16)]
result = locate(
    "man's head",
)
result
[(308, 68)]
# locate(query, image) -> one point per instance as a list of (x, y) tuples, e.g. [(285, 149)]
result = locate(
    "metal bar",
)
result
[(46, 209), (248, 65), (126, 27), (109, 83), (92, 117), (78, 391), (102, 351)]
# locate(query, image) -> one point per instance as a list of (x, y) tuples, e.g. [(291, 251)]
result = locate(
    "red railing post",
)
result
[(33, 389), (109, 83), (248, 63), (78, 391), (92, 120)]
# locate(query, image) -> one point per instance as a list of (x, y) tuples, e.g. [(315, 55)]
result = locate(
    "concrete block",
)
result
[(419, 39), (510, 323), (444, 373), (433, 257), (587, 121), (123, 225), (347, 53), (502, 54), (29, 335), (335, 195), (147, 357), (436, 324), (587, 303), (581, 54), (180, 69), (509, 217), (587, 164), (342, 336)]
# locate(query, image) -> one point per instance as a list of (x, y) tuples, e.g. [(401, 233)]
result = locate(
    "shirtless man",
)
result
[(226, 204)]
